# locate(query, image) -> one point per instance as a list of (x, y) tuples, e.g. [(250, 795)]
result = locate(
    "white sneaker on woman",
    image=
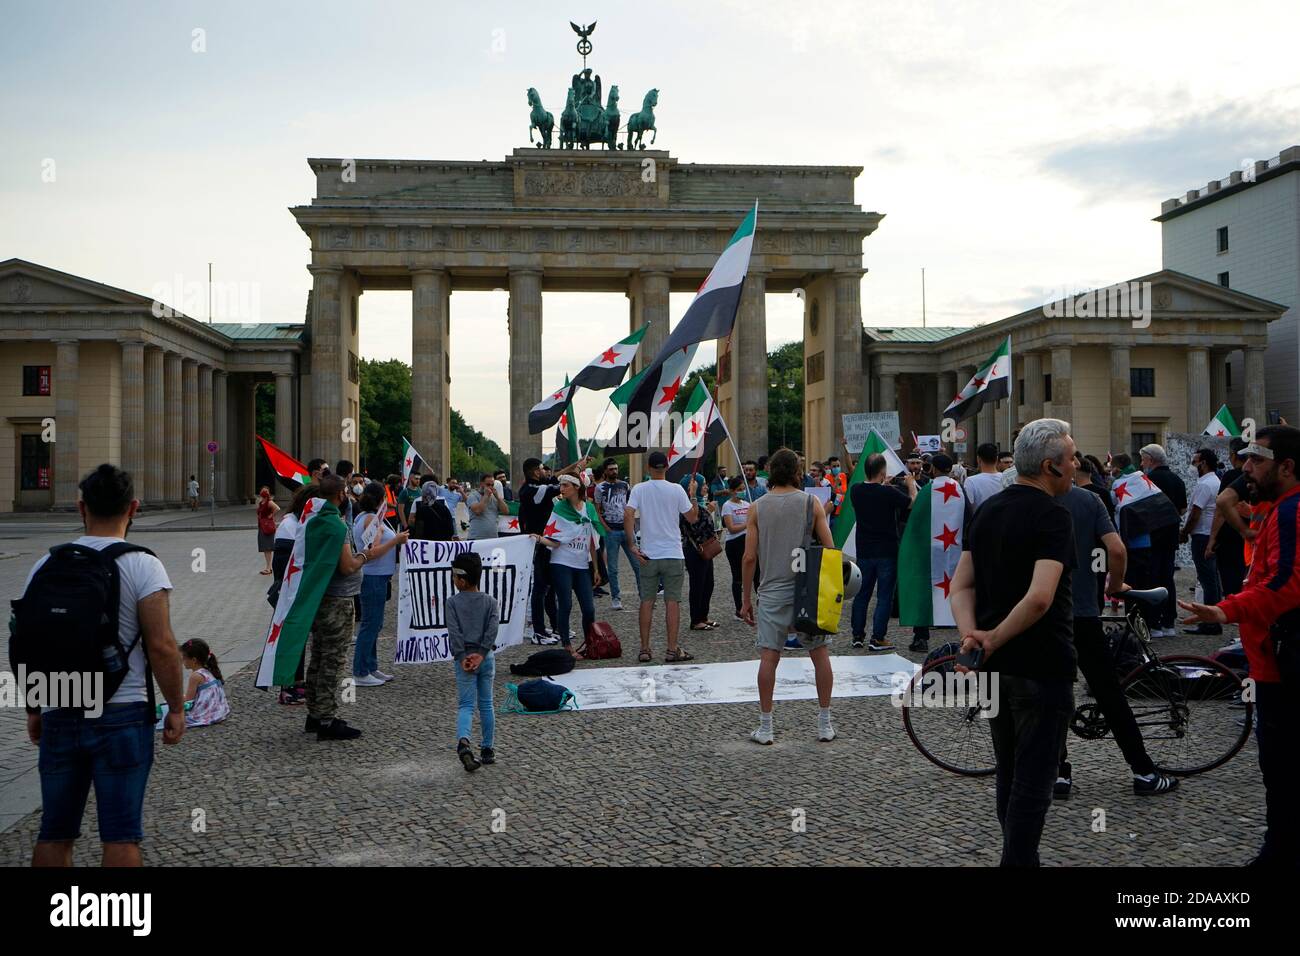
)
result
[(382, 676), (370, 680)]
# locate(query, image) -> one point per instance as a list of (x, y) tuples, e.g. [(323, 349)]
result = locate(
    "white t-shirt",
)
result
[(658, 505), (981, 487), (737, 511), (194, 489), (287, 528), (1204, 495), (140, 575)]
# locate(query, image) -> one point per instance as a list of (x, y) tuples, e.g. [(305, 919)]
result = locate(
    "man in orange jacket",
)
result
[(1268, 611)]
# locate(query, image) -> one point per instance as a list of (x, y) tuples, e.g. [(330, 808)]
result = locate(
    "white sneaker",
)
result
[(382, 676), (370, 680), (826, 734), (616, 605), (762, 736)]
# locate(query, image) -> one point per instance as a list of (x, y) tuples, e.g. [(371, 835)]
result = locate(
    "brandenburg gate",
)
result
[(566, 220)]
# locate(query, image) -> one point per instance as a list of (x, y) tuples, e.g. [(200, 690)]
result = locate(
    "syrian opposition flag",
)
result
[(409, 457), (1222, 425), (702, 431), (1140, 506), (846, 524), (566, 434), (607, 369), (549, 410), (286, 467), (928, 554), (311, 566), (508, 523), (992, 383), (711, 316), (639, 432)]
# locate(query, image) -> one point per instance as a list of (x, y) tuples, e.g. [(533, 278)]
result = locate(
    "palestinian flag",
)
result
[(1222, 425), (928, 554), (508, 523), (701, 432), (639, 431), (607, 369), (567, 448), (409, 457), (549, 410), (711, 316), (311, 566), (992, 383), (287, 468), (1141, 507), (847, 523)]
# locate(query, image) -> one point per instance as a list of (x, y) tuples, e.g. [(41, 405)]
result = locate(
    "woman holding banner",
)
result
[(376, 581), (571, 534)]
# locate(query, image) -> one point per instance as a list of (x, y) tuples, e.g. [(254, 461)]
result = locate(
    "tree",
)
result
[(785, 396)]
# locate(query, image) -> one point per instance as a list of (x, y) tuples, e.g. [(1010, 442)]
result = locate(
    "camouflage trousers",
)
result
[(331, 633)]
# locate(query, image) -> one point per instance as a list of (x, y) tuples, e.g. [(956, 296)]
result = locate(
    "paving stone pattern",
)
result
[(652, 786)]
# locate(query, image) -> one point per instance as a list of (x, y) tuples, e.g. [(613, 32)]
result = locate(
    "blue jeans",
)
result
[(374, 595), (567, 581), (1207, 570), (115, 752), (877, 573), (616, 540), (476, 688)]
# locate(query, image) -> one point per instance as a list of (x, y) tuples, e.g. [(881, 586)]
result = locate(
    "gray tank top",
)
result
[(783, 519)]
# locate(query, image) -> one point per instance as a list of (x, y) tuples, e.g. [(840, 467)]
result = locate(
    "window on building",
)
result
[(1142, 382), (1223, 279), (35, 463), (1227, 374), (1223, 238), (1020, 385), (1141, 440), (36, 380), (1047, 388)]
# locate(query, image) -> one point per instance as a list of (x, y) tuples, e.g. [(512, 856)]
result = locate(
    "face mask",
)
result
[(357, 489)]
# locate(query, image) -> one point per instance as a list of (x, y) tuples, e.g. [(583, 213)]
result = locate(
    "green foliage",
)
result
[(264, 404), (784, 402), (487, 456)]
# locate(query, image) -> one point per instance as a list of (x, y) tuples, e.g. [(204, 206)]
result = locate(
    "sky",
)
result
[(1016, 149)]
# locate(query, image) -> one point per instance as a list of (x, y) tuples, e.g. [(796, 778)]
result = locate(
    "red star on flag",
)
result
[(609, 355), (1150, 483), (514, 524), (557, 396), (949, 490), (564, 420), (275, 634), (290, 572), (1121, 491), (956, 399), (308, 508), (948, 537), (946, 583), (552, 529), (695, 427), (673, 453), (670, 392), (978, 383)]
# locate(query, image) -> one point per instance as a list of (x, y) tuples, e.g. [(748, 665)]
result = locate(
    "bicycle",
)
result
[(1189, 709)]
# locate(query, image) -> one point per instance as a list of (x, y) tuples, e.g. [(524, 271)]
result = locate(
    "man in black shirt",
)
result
[(877, 508), (1011, 601), (536, 498), (1164, 542)]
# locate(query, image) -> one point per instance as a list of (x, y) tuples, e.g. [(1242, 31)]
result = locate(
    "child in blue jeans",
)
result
[(472, 618)]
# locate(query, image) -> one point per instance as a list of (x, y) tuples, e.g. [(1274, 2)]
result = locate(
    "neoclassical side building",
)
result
[(119, 383), (1121, 383)]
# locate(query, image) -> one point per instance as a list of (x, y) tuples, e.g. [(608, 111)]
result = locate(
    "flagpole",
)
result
[(1011, 381), (609, 404)]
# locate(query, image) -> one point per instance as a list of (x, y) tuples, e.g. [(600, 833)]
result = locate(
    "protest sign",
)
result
[(858, 425)]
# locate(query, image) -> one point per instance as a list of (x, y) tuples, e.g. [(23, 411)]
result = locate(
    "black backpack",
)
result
[(547, 663), (66, 620), (434, 523)]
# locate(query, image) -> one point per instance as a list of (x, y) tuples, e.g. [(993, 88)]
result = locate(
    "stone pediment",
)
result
[(26, 284), (1178, 292)]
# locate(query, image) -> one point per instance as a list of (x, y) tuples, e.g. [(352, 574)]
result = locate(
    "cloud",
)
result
[(1166, 160)]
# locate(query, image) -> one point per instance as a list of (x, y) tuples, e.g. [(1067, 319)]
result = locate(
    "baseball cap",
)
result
[(657, 459)]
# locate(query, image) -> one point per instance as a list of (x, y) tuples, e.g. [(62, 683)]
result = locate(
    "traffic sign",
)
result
[(212, 447)]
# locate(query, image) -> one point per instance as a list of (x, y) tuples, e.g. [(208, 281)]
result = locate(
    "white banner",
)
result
[(858, 426), (424, 585), (929, 444)]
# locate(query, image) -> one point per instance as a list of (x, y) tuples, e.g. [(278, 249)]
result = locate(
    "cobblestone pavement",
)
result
[(669, 785)]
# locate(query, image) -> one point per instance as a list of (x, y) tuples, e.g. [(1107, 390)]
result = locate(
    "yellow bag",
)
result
[(819, 592)]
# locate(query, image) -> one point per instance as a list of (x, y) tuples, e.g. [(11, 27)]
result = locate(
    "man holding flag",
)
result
[(870, 518)]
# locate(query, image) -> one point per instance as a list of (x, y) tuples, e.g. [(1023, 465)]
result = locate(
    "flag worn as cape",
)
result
[(712, 315), (286, 467), (702, 430), (992, 383), (846, 524), (1222, 425), (928, 554), (315, 555), (1141, 507), (607, 369)]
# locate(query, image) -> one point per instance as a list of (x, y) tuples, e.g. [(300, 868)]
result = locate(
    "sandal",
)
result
[(702, 626), (681, 655), (645, 657)]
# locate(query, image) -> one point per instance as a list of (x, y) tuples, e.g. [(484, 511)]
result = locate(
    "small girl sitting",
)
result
[(205, 692)]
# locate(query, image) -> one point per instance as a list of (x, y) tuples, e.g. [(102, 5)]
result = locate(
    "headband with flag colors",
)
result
[(1222, 425), (846, 524), (712, 315), (607, 369), (284, 464), (702, 430), (991, 383)]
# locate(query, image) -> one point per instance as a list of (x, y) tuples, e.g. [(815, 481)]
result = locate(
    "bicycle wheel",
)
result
[(1189, 712), (955, 738)]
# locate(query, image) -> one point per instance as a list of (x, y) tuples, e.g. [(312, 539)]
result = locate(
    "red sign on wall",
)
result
[(44, 385), (43, 477)]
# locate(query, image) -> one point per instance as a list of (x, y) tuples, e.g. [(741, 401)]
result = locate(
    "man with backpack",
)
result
[(99, 605)]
